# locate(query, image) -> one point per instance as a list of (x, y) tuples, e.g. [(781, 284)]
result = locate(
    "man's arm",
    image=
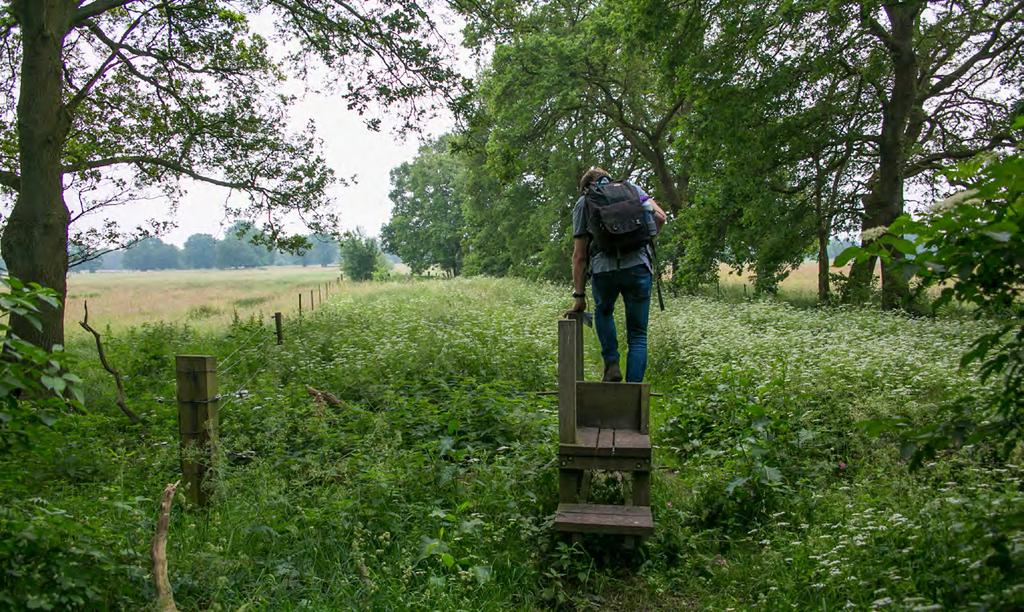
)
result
[(579, 273), (659, 215)]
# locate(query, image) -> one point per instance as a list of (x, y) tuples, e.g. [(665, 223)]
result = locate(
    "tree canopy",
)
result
[(111, 101)]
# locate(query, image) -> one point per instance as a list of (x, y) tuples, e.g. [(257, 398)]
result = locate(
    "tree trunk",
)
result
[(885, 201), (35, 241), (674, 191), (823, 263)]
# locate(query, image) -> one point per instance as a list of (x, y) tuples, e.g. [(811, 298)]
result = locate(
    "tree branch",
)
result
[(98, 7), (10, 179), (134, 418), (985, 52), (161, 163)]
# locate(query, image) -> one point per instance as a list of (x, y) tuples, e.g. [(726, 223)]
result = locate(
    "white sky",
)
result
[(350, 148)]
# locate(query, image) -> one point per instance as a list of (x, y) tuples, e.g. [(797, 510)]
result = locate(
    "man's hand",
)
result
[(578, 306)]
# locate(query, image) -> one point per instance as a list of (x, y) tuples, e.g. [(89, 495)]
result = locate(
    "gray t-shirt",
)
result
[(600, 262)]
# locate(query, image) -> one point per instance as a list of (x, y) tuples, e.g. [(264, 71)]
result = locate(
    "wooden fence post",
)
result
[(311, 300), (277, 328), (197, 422), (319, 295), (300, 304)]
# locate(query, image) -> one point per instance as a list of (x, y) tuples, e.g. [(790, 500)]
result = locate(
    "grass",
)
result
[(206, 297), (434, 483)]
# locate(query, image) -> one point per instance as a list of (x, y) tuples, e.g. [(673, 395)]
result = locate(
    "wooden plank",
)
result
[(594, 442), (611, 405), (567, 381), (586, 443), (631, 443), (578, 317), (602, 518), (569, 485), (641, 488), (645, 408), (612, 463)]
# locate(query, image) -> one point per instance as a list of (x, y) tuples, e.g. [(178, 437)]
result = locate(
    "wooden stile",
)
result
[(197, 421), (567, 381)]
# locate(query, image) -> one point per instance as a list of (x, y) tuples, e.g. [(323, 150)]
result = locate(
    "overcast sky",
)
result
[(351, 150)]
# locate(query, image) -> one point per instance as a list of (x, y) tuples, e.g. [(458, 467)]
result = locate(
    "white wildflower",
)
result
[(873, 233), (961, 197)]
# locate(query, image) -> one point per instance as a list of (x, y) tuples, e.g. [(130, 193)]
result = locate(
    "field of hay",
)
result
[(207, 298)]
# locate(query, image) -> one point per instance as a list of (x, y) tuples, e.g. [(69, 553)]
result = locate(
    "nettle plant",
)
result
[(34, 382), (970, 246)]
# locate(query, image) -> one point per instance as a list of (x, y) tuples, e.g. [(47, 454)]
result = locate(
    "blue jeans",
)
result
[(635, 286)]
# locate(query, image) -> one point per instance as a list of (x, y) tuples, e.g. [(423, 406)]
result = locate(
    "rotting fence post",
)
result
[(278, 328), (197, 422)]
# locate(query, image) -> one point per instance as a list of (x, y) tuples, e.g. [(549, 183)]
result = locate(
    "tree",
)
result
[(130, 96), (239, 250), (152, 254), (933, 70), (360, 255), (426, 226), (324, 250), (200, 251)]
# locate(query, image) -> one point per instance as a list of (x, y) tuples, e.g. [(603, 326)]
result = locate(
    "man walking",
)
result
[(612, 225)]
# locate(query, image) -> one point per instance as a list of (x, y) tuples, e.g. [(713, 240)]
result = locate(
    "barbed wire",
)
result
[(247, 342)]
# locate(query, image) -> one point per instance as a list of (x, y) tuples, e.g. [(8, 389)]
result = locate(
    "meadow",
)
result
[(205, 298), (433, 484)]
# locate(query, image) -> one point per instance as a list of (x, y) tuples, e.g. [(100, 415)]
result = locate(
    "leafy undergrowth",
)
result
[(433, 484)]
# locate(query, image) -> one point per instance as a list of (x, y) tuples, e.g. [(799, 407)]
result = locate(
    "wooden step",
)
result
[(607, 442), (603, 518)]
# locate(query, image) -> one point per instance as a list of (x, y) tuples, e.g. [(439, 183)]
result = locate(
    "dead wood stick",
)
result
[(324, 397), (164, 594), (134, 418)]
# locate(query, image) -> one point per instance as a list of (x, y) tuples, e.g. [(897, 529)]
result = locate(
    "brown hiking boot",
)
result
[(612, 373)]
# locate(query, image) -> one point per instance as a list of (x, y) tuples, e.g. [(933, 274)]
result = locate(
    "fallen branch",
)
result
[(134, 418), (325, 397), (164, 594)]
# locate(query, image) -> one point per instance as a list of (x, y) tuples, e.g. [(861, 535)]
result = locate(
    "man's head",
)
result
[(591, 176)]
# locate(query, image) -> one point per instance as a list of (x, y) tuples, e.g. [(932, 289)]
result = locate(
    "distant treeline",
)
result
[(205, 251)]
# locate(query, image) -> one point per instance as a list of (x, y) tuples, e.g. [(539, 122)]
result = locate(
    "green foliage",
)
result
[(34, 383), (969, 247), (239, 248), (426, 227), (360, 256), (200, 251), (152, 254), (432, 484)]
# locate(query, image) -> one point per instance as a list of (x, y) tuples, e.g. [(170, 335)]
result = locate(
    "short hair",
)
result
[(595, 173)]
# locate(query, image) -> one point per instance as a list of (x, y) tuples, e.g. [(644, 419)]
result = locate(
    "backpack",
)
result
[(615, 218)]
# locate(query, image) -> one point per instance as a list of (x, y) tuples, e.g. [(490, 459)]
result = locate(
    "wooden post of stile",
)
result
[(300, 304), (568, 479), (278, 328), (311, 300), (197, 421), (319, 296), (578, 317)]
